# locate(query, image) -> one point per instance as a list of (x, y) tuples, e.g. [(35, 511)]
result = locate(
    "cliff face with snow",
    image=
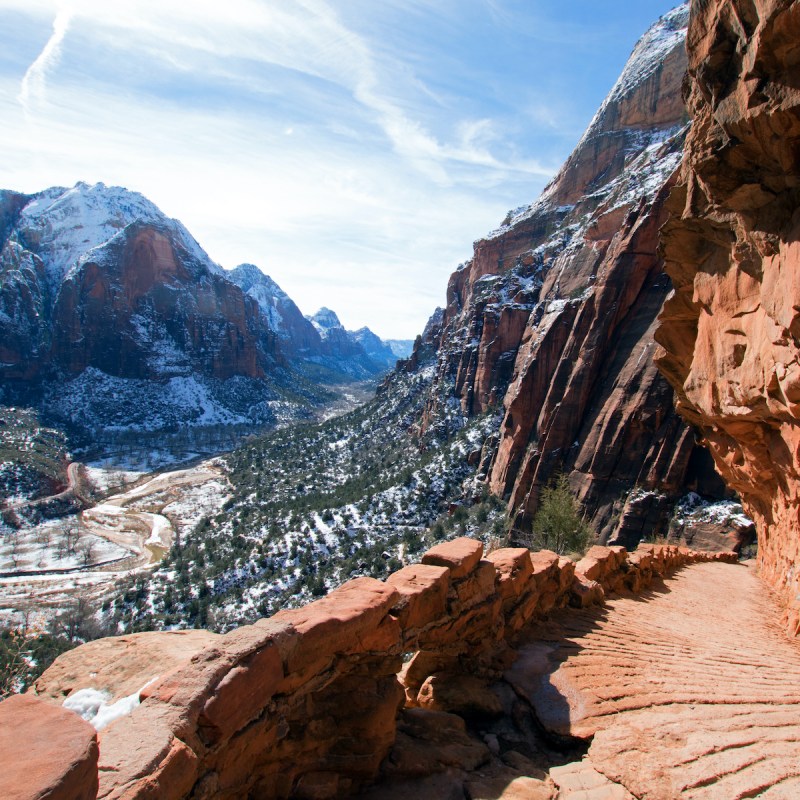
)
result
[(551, 322), (318, 345), (113, 317)]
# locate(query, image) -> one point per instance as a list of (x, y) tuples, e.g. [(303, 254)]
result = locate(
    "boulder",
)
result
[(49, 752)]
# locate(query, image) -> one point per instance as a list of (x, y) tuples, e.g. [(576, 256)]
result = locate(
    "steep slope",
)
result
[(731, 332), (552, 320), (359, 354), (113, 317), (379, 351)]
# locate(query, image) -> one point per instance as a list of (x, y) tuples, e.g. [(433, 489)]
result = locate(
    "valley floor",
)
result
[(44, 567)]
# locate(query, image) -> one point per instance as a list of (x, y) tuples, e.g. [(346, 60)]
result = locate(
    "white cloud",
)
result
[(277, 134), (33, 82)]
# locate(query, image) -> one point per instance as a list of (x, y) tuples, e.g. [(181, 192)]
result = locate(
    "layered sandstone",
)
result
[(731, 332), (680, 697), (552, 320), (143, 308), (48, 752), (305, 704)]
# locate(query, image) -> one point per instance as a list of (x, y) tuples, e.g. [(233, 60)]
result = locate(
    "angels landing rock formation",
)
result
[(731, 332), (552, 320)]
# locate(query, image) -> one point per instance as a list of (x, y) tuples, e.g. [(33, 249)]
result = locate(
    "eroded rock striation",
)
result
[(552, 320), (731, 332)]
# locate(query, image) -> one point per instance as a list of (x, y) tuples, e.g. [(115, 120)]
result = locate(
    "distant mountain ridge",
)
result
[(113, 317)]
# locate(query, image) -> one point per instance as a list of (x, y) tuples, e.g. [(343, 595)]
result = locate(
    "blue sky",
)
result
[(352, 149)]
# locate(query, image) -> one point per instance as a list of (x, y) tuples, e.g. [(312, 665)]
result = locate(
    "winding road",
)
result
[(131, 519)]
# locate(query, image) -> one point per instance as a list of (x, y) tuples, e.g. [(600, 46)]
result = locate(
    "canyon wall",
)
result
[(551, 323), (304, 704), (731, 332)]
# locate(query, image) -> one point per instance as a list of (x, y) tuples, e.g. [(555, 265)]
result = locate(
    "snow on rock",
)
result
[(325, 321), (69, 223), (160, 529), (93, 706)]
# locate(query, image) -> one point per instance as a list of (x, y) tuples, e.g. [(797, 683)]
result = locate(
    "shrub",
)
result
[(558, 524)]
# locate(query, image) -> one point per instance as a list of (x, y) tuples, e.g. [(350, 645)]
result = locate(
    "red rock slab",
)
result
[(693, 693), (191, 685), (585, 592), (141, 755), (477, 587), (344, 621), (121, 665), (590, 568), (514, 570), (47, 752), (423, 594), (460, 555), (581, 781), (566, 568), (243, 693), (543, 561)]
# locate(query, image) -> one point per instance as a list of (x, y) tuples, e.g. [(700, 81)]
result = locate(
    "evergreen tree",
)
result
[(558, 524)]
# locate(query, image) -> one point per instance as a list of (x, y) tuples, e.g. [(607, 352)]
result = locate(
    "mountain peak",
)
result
[(325, 320), (69, 223)]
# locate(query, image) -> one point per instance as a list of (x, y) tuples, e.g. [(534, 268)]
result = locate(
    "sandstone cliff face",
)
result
[(731, 332), (552, 320), (141, 308), (98, 277)]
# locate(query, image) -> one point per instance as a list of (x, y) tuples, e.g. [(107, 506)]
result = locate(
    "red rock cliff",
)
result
[(111, 313), (731, 332), (553, 318)]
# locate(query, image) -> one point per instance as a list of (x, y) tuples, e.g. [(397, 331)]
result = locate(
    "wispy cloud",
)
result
[(352, 149), (32, 88)]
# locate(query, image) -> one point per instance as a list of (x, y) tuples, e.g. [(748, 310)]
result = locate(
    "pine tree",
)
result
[(558, 524)]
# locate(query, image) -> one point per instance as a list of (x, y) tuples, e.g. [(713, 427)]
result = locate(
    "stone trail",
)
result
[(690, 691)]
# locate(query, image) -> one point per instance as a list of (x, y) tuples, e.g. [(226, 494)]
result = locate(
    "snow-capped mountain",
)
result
[(325, 322), (67, 225), (112, 317)]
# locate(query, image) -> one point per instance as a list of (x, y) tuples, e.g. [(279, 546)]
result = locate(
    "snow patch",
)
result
[(93, 706)]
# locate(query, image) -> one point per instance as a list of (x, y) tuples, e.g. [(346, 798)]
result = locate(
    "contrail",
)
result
[(33, 82)]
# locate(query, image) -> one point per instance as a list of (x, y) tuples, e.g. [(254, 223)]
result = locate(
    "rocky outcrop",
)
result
[(305, 704), (48, 752), (297, 336), (552, 320), (731, 332)]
